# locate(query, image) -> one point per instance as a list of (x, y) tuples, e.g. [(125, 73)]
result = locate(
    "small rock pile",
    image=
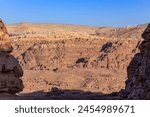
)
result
[(138, 83), (10, 70)]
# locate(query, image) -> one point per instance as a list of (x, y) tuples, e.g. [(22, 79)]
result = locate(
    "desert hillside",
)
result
[(73, 56)]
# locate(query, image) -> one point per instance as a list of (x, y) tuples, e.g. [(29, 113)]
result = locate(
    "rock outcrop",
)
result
[(47, 48), (77, 61), (5, 45), (138, 83), (10, 70), (74, 57)]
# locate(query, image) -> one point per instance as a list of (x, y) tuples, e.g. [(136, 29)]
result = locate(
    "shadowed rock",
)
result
[(10, 70), (138, 83)]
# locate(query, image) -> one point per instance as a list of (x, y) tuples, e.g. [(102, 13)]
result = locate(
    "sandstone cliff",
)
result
[(74, 57), (138, 83), (10, 70), (76, 60)]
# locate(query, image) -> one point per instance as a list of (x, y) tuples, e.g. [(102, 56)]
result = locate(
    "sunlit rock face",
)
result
[(5, 45)]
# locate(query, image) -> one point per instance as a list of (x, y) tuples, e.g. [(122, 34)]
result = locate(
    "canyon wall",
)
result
[(138, 83), (74, 57), (10, 70)]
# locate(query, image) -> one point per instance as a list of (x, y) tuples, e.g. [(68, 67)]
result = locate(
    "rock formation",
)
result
[(76, 60), (10, 70), (5, 45), (74, 57), (138, 83)]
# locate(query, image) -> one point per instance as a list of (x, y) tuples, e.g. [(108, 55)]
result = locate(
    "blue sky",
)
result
[(86, 12)]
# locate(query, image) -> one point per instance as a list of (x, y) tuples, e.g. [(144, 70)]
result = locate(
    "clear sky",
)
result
[(86, 12)]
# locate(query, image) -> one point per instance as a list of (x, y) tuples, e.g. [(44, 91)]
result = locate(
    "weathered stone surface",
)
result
[(138, 83), (10, 70), (5, 45), (92, 60), (74, 58), (146, 33)]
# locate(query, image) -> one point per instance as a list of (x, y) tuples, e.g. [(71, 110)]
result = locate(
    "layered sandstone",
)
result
[(74, 57), (81, 62), (10, 70)]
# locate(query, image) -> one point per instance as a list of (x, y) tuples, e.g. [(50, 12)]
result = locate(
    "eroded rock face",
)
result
[(5, 45), (138, 83), (51, 57), (10, 70)]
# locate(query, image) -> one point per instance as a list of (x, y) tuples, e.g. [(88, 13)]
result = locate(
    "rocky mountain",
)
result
[(76, 59)]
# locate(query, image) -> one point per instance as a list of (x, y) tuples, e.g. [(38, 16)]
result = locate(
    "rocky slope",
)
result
[(74, 57)]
